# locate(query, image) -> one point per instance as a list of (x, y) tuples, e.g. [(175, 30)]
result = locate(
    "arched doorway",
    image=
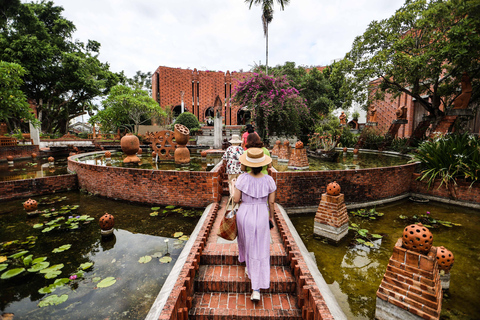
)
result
[(177, 110), (243, 116), (209, 115)]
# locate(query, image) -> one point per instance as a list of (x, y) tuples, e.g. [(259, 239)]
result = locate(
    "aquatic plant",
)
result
[(428, 221), (363, 236), (372, 213)]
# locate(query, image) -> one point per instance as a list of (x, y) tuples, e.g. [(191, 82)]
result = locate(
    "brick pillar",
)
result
[(298, 159), (410, 288), (331, 219)]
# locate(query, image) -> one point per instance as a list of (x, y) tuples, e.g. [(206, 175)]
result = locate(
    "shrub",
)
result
[(372, 139), (188, 120), (348, 139)]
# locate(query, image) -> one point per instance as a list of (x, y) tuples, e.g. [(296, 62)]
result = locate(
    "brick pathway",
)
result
[(222, 291)]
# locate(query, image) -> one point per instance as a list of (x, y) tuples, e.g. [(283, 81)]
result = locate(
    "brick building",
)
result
[(198, 90)]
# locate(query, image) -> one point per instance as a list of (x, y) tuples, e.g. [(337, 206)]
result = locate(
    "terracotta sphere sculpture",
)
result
[(333, 189), (445, 259), (30, 205), (9, 158), (106, 222), (417, 238), (299, 145)]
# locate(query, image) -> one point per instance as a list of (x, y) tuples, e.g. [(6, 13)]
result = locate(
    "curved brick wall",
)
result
[(180, 188), (15, 189)]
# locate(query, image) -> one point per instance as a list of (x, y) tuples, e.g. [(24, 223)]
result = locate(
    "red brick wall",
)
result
[(180, 188), (461, 191), (18, 151), (15, 189), (305, 188)]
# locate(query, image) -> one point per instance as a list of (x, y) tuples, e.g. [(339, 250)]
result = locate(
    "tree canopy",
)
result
[(126, 107), (422, 50), (63, 76)]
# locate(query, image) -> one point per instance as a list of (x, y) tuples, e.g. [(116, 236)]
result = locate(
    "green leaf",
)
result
[(154, 214), (37, 225), (369, 244), (55, 267), (45, 290), (18, 254), (184, 238), (53, 300), (38, 260), (107, 282), (170, 207), (3, 266), (155, 208), (177, 234), (377, 236), (12, 273), (39, 266), (86, 265), (96, 279), (402, 217), (48, 229), (27, 260), (354, 225), (62, 248), (360, 240), (165, 259), (61, 282), (363, 232), (145, 259), (52, 274)]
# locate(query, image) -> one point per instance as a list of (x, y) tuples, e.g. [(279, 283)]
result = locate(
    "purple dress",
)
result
[(253, 229)]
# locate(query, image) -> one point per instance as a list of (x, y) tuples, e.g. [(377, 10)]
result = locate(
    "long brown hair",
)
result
[(253, 141)]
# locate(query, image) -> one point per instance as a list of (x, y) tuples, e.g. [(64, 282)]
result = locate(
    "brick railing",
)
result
[(7, 141)]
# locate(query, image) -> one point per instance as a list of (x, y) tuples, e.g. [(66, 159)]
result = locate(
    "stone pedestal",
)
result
[(410, 288), (331, 219), (217, 132), (445, 281), (298, 159), (34, 134), (400, 121)]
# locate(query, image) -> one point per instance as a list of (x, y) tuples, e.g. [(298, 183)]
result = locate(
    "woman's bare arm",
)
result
[(271, 204), (237, 195)]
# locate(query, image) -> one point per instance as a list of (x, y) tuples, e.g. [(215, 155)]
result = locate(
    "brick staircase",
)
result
[(444, 126), (222, 290)]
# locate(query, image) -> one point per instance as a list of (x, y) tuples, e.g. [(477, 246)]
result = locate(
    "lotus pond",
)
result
[(32, 168), (58, 266), (355, 268)]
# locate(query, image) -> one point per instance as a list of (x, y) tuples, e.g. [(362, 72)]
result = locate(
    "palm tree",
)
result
[(267, 17)]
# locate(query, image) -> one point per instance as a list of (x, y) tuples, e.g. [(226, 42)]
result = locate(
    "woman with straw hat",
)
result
[(231, 159), (256, 192)]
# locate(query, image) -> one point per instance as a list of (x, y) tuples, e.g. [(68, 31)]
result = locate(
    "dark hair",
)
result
[(250, 128), (256, 170), (253, 141)]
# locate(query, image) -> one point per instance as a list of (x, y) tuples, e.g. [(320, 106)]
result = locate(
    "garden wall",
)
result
[(304, 188), (461, 191), (18, 152), (15, 189), (180, 188)]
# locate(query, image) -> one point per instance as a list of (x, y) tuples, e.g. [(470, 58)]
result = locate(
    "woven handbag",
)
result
[(228, 226)]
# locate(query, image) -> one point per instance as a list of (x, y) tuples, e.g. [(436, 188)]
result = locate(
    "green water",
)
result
[(137, 234), (29, 169), (354, 272), (147, 162), (348, 162)]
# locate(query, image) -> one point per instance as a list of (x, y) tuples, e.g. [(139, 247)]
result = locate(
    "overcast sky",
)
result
[(219, 35)]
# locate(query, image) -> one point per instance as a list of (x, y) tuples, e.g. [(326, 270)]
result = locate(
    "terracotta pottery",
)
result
[(30, 205), (345, 149), (106, 222), (51, 159), (355, 151), (286, 143), (417, 238), (108, 154), (333, 189), (181, 134), (9, 158), (203, 153), (154, 154), (130, 145), (139, 151), (299, 145), (445, 259), (34, 155)]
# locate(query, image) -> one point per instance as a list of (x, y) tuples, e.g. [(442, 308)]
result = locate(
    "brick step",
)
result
[(222, 305), (224, 278), (231, 258)]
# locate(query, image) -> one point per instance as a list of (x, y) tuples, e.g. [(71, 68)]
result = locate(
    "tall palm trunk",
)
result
[(266, 45)]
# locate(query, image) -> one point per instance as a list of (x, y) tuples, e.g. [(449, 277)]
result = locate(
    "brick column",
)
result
[(331, 219), (410, 288), (298, 158)]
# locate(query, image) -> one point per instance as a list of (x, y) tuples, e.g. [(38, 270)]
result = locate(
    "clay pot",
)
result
[(299, 145), (106, 222), (355, 151), (417, 238), (9, 158), (203, 153), (34, 155), (51, 159), (30, 205), (345, 149), (445, 259), (286, 143), (181, 134), (333, 189), (108, 154), (139, 151), (130, 145)]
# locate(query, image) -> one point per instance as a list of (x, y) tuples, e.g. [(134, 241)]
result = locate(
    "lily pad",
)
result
[(86, 265), (39, 266), (62, 248), (154, 214), (96, 279), (177, 234), (107, 282), (155, 208), (27, 260), (38, 260), (360, 240), (52, 274), (170, 207), (377, 236), (3, 266), (145, 259), (53, 300), (55, 267), (37, 225), (184, 238), (12, 273), (165, 259), (18, 254), (3, 258), (157, 255)]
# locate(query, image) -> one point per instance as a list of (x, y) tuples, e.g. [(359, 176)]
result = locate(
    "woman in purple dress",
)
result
[(256, 193)]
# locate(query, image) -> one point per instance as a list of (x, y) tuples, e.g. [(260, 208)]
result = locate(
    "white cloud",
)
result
[(218, 34)]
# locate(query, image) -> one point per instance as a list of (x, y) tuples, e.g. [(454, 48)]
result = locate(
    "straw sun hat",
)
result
[(254, 157), (235, 139)]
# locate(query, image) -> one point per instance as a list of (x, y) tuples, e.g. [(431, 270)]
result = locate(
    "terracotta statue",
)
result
[(401, 113), (343, 119), (461, 102), (373, 114)]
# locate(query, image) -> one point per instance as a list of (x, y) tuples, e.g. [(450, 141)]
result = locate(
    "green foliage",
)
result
[(373, 139), (347, 139), (363, 236), (371, 213), (188, 120), (53, 300), (323, 141), (63, 75), (422, 50), (428, 221), (125, 105), (448, 158), (107, 282), (13, 102)]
